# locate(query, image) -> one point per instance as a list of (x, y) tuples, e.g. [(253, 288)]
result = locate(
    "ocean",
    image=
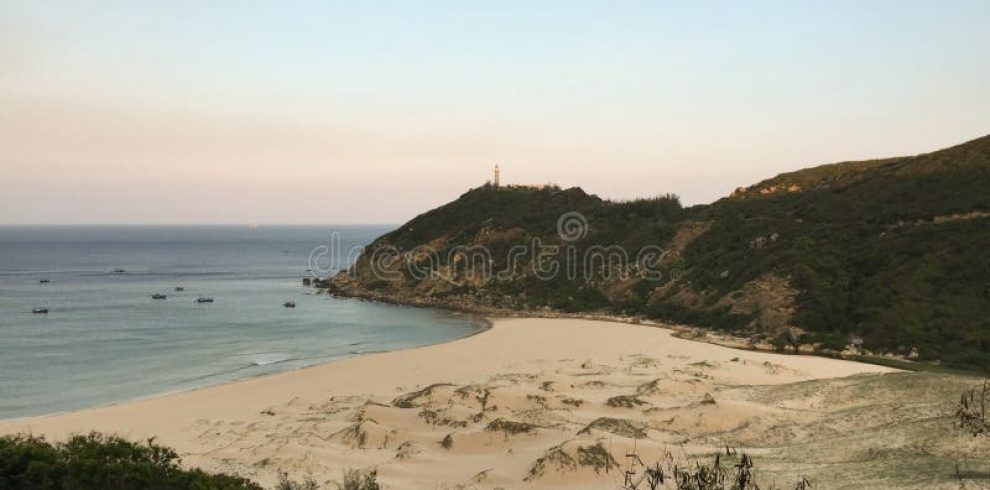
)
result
[(104, 339)]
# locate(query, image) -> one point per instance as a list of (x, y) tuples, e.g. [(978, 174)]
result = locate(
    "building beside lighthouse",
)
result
[(496, 182)]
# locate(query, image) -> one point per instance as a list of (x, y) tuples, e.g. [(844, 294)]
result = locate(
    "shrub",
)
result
[(359, 480), (972, 410), (734, 472), (510, 427), (99, 462), (284, 483), (624, 401)]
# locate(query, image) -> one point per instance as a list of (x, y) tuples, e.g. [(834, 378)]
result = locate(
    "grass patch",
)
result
[(574, 402), (447, 442), (414, 399), (624, 401), (440, 418), (510, 427), (597, 458), (651, 388), (619, 427), (358, 480)]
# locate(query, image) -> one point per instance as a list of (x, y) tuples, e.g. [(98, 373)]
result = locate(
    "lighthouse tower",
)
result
[(496, 176)]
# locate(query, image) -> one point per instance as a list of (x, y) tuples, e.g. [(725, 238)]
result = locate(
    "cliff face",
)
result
[(893, 255)]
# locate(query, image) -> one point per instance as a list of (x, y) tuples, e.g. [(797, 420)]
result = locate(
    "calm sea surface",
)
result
[(105, 339)]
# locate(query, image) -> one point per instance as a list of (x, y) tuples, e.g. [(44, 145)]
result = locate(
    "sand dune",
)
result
[(539, 403)]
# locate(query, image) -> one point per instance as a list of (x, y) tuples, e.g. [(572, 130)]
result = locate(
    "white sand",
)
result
[(324, 418)]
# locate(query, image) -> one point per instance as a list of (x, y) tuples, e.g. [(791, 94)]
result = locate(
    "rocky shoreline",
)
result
[(344, 286)]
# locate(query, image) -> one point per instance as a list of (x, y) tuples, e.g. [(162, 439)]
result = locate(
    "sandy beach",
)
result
[(521, 403)]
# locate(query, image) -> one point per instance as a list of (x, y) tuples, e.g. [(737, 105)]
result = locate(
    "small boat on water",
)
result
[(180, 288), (119, 271), (39, 310), (45, 281), (203, 299), (158, 296), (289, 304)]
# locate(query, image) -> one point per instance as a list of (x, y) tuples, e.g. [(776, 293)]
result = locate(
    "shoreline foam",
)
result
[(484, 325)]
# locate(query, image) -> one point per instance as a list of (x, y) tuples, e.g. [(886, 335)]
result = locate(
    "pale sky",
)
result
[(196, 111)]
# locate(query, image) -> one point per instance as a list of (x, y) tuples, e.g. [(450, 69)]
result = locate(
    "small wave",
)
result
[(39, 272), (368, 351), (269, 360), (232, 373)]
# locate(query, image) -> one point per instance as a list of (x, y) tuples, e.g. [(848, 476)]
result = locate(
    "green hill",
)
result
[(891, 255)]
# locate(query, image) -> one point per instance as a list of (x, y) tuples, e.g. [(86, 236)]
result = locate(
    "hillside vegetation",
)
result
[(886, 257)]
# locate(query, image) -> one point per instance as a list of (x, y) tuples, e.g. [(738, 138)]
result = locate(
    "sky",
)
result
[(200, 111)]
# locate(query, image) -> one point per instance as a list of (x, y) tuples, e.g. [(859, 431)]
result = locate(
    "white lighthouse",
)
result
[(495, 182)]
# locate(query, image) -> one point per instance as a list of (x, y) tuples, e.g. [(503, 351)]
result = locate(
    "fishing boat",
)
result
[(119, 271), (158, 296), (45, 281), (180, 288), (39, 310), (289, 304), (203, 299)]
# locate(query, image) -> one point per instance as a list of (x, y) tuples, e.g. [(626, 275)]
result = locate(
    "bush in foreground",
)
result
[(359, 480), (734, 472), (98, 462), (972, 410)]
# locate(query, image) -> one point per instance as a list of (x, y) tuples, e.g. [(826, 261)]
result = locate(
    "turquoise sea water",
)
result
[(105, 339)]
